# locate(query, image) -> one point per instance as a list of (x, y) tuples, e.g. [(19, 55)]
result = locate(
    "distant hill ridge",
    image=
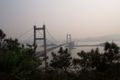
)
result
[(103, 38)]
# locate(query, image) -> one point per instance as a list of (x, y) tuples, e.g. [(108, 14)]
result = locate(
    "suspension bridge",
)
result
[(47, 37)]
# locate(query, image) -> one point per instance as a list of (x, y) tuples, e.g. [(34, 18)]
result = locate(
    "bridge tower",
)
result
[(41, 38), (68, 42)]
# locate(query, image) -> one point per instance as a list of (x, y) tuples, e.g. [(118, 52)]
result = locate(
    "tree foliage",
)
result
[(99, 66), (61, 60), (16, 61)]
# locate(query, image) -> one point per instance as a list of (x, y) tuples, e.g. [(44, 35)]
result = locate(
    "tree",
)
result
[(16, 61), (111, 52), (2, 35), (88, 60), (61, 61)]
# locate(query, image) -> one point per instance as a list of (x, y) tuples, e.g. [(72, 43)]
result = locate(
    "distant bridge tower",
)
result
[(43, 38), (68, 42)]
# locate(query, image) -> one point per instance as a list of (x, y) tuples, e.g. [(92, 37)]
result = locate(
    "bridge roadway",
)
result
[(41, 53)]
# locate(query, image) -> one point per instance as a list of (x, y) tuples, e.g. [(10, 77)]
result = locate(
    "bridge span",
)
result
[(41, 53)]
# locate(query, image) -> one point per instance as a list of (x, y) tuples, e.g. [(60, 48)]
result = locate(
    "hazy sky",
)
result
[(81, 18)]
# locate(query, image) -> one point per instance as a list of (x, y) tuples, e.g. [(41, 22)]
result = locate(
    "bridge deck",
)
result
[(41, 53)]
